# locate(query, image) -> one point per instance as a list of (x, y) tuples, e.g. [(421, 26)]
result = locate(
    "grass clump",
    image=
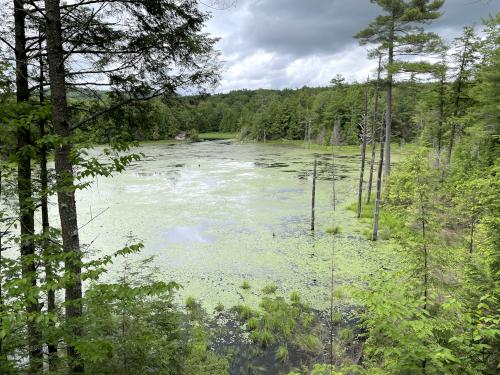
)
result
[(336, 317), (283, 325), (266, 338), (191, 303), (390, 222), (252, 324), (262, 337), (282, 354), (245, 285), (270, 289), (219, 307), (307, 320), (345, 334), (309, 343), (334, 230), (244, 312), (295, 298)]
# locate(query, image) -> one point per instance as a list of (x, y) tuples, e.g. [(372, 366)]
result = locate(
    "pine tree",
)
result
[(464, 60), (398, 32), (25, 185)]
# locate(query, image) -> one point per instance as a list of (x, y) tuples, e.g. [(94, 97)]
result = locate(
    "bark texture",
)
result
[(379, 187), (65, 177), (25, 191)]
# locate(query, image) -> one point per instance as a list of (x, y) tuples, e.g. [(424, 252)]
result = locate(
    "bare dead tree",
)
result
[(313, 199), (364, 129), (334, 192), (379, 185), (373, 130)]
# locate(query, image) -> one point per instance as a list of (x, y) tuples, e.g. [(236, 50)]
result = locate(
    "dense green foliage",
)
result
[(436, 312), (434, 307), (264, 114)]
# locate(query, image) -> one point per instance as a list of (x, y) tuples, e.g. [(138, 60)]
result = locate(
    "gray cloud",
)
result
[(291, 43), (300, 28)]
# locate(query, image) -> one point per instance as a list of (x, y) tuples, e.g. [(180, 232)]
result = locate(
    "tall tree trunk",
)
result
[(471, 241), (49, 273), (442, 82), (374, 125), (388, 130), (425, 250), (334, 192), (458, 94), (363, 154), (337, 137), (313, 199), (379, 186), (65, 177), (24, 185), (307, 135)]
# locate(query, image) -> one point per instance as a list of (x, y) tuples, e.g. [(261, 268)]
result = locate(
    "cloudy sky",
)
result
[(292, 43)]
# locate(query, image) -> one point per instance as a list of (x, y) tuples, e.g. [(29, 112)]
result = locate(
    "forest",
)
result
[(150, 224)]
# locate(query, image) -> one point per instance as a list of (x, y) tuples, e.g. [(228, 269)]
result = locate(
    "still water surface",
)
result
[(216, 213)]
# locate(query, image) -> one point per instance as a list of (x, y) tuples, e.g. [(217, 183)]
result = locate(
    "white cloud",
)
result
[(291, 43)]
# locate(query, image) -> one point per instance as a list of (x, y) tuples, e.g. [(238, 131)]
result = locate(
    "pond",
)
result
[(216, 213)]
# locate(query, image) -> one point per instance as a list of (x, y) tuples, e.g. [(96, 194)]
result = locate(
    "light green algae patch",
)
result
[(217, 213)]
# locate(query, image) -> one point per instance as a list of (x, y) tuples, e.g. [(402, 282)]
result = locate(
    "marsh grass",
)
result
[(287, 326), (270, 289), (391, 224), (334, 230)]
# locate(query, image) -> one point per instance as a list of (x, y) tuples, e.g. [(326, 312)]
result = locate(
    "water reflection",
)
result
[(194, 233)]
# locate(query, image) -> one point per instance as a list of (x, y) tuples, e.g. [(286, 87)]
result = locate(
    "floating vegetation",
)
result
[(220, 218)]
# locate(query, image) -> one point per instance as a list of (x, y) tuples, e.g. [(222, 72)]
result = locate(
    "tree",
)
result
[(398, 32), (364, 130), (374, 123), (25, 186), (464, 60), (138, 61), (378, 195)]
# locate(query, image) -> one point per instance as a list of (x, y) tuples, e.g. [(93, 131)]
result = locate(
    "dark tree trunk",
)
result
[(334, 192), (441, 116), (49, 273), (471, 241), (425, 250), (337, 136), (388, 130), (374, 126), (379, 186), (24, 185), (363, 154), (64, 174), (458, 94)]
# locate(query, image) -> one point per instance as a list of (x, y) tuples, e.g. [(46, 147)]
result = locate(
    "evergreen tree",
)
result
[(398, 32)]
